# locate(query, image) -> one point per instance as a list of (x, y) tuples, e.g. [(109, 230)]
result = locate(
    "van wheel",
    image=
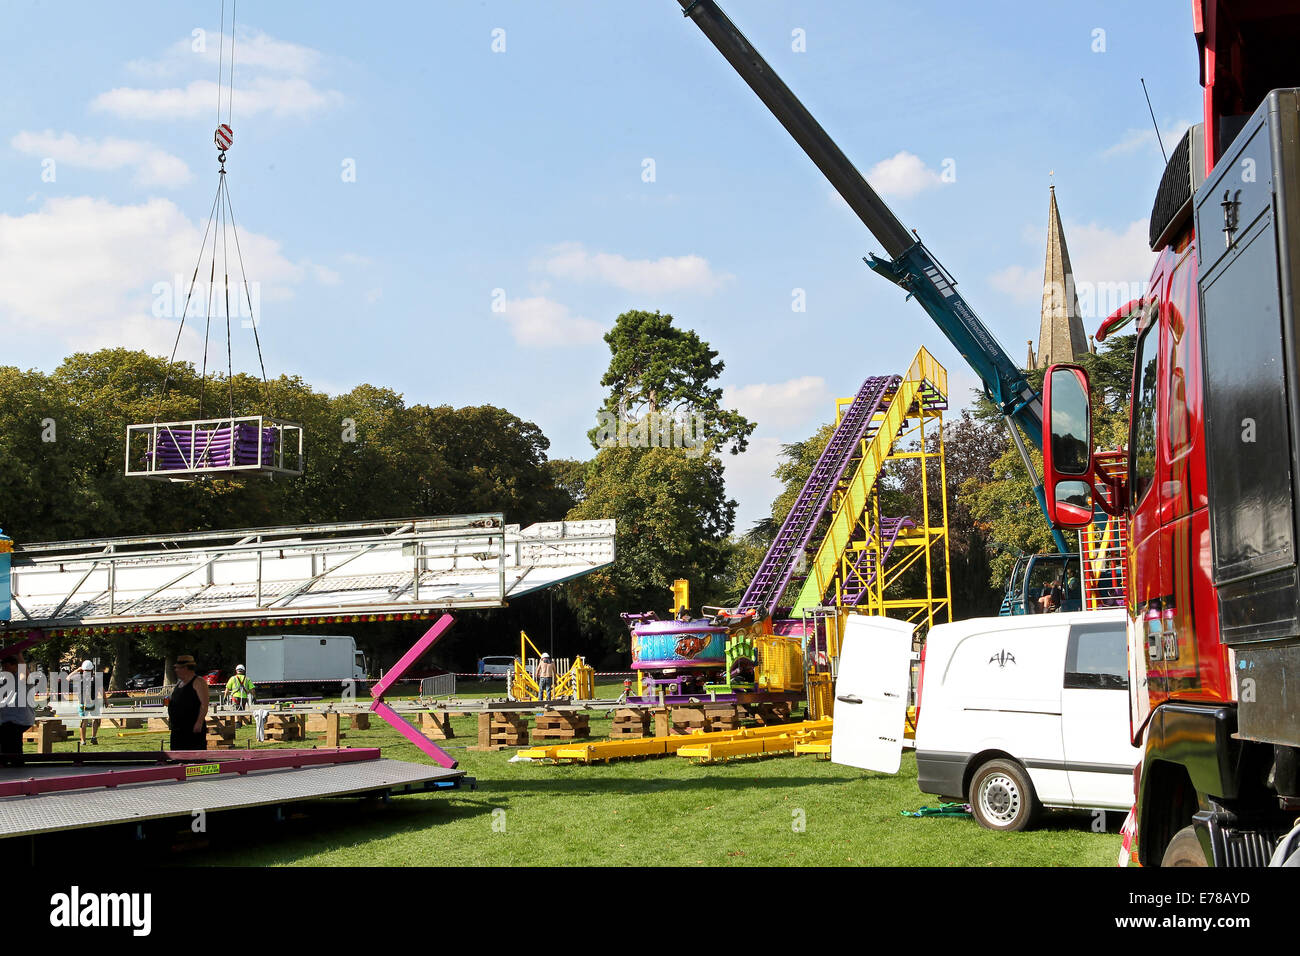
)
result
[(1184, 850), (1001, 796)]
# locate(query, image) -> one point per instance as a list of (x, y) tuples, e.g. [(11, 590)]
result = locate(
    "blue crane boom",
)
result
[(910, 264)]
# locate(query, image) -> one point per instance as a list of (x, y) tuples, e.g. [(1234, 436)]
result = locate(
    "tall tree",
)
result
[(658, 369)]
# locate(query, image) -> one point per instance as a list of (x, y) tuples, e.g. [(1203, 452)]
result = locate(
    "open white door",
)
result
[(871, 693)]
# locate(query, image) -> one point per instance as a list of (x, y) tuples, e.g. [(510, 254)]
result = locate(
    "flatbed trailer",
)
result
[(49, 793)]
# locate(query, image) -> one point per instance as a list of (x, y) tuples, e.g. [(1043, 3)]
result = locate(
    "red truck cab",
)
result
[(1213, 475)]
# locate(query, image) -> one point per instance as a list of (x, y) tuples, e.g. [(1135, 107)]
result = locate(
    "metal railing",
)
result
[(443, 685)]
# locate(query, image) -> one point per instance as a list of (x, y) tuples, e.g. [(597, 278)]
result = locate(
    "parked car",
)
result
[(495, 668), (1013, 714), (215, 678), (143, 682)]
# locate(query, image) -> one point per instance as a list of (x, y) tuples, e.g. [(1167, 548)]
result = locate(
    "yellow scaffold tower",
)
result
[(866, 559)]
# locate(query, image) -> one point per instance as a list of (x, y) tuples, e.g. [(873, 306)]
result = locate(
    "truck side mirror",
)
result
[(1067, 448)]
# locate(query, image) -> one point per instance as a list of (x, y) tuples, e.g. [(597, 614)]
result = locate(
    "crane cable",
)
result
[(222, 214)]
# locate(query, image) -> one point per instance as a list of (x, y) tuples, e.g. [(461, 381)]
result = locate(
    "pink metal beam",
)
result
[(185, 764), (411, 733), (417, 650), (396, 720)]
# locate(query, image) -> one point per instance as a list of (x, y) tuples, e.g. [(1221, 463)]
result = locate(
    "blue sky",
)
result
[(523, 170)]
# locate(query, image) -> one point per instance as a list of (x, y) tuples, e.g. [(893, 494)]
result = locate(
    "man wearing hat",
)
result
[(187, 706), (90, 700), (545, 677), (239, 689)]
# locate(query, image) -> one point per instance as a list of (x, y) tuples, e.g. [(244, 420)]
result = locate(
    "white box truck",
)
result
[(1014, 713), (281, 658)]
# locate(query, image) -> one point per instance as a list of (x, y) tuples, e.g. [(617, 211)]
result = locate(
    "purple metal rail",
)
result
[(865, 567), (774, 574)]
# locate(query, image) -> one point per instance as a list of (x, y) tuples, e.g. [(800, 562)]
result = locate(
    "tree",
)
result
[(1004, 502), (369, 456), (673, 520), (657, 369)]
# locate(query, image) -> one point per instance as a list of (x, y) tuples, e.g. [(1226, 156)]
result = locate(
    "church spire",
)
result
[(1061, 337)]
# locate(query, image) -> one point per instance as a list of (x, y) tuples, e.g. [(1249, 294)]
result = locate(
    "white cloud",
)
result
[(788, 404), (271, 77), (253, 50), (1110, 267), (1101, 254), (1023, 285), (749, 480), (902, 176), (1145, 139), (279, 97), (324, 275), (88, 272), (648, 276), (153, 166), (543, 322)]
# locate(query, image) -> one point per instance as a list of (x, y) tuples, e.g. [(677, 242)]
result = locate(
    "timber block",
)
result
[(436, 725)]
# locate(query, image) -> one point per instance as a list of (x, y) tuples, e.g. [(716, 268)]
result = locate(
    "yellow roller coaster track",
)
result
[(926, 382)]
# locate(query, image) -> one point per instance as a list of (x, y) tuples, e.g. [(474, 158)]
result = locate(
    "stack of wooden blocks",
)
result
[(562, 725), (630, 722), (221, 732), (45, 734), (703, 718), (284, 728), (777, 712), (436, 725), (499, 730)]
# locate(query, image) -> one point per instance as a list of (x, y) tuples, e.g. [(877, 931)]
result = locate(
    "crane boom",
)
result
[(910, 264)]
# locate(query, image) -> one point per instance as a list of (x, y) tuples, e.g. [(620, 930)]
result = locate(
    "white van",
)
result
[(1014, 713)]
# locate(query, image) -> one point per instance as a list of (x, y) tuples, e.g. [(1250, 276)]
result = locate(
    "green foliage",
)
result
[(369, 456), (673, 520), (656, 368), (1002, 503)]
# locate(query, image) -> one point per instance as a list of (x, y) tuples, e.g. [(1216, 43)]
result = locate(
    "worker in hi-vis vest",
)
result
[(239, 689)]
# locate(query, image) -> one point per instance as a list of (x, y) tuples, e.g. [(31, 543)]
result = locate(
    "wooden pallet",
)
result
[(629, 723), (284, 728), (221, 733), (561, 725), (497, 731), (703, 719)]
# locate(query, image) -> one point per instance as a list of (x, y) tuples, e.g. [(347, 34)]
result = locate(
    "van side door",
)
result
[(1099, 757)]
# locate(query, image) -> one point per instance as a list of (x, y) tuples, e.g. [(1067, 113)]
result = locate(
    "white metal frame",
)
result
[(286, 459), (289, 573)]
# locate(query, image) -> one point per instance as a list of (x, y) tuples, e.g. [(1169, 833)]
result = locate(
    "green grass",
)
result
[(666, 811)]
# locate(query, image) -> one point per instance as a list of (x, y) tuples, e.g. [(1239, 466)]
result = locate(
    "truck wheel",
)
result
[(1002, 797), (1184, 850)]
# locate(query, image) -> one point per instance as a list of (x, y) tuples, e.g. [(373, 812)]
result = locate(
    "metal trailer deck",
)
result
[(54, 792)]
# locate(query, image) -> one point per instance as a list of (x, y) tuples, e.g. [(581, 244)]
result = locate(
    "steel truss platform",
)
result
[(289, 574)]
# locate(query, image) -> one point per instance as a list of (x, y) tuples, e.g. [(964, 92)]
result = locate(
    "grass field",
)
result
[(783, 811)]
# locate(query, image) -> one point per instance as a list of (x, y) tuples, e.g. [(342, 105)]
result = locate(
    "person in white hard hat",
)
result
[(545, 677), (90, 700), (239, 689)]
